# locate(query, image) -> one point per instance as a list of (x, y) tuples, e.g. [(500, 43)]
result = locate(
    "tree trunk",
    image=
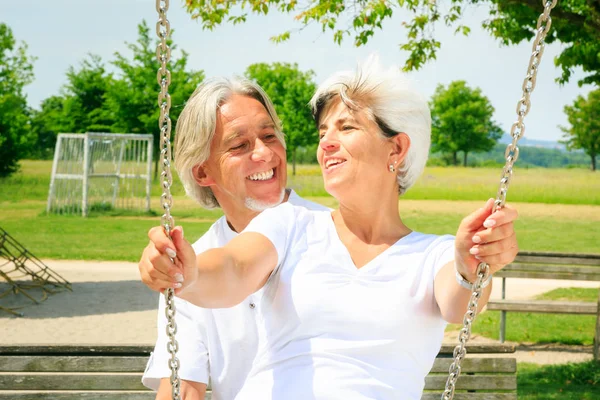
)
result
[(294, 162), (593, 156), (465, 159), (455, 158)]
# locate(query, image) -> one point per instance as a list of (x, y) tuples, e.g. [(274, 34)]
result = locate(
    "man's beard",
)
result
[(259, 206)]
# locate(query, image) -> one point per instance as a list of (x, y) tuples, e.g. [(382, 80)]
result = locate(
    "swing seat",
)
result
[(89, 372)]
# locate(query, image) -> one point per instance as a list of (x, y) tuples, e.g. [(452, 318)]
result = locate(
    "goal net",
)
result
[(100, 171)]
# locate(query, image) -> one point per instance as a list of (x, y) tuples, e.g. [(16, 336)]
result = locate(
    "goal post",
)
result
[(100, 171)]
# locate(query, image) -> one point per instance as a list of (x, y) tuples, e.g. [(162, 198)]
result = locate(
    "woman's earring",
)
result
[(392, 169)]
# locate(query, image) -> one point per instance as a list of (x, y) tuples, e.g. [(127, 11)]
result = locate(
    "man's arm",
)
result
[(191, 337), (189, 390)]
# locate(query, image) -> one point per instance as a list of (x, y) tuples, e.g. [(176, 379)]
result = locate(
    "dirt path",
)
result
[(109, 305)]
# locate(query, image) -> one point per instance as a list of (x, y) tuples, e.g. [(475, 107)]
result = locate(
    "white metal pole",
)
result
[(150, 150), (51, 190), (86, 161), (118, 174)]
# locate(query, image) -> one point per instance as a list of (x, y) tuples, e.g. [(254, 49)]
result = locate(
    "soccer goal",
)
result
[(100, 171)]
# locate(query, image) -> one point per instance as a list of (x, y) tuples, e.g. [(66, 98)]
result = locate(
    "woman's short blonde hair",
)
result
[(388, 99), (197, 124)]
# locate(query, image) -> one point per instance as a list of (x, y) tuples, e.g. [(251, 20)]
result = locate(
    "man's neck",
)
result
[(239, 219)]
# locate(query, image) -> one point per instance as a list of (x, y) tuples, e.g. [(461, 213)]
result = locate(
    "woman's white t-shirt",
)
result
[(328, 330)]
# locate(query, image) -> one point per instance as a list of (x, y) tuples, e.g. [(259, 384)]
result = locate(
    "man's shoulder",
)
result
[(310, 205)]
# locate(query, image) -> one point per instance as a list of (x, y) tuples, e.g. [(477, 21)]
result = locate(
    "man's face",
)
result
[(247, 163)]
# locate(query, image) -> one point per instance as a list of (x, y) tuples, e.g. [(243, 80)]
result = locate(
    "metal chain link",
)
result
[(511, 155), (163, 77)]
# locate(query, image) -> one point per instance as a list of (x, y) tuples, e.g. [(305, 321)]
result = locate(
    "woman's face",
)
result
[(353, 155)]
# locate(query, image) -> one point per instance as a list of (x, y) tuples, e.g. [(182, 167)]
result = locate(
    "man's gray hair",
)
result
[(197, 124), (388, 99)]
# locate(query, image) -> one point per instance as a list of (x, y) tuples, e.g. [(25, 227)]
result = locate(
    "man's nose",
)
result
[(261, 151)]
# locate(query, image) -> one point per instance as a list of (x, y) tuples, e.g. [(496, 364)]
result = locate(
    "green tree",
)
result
[(290, 90), (85, 96), (576, 23), (47, 123), (80, 107), (132, 96), (584, 132), (462, 121), (16, 71)]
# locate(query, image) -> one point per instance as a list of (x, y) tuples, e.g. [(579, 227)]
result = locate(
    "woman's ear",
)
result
[(201, 176), (400, 146)]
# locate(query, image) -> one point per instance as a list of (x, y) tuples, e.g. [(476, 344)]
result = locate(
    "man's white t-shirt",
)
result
[(328, 330), (216, 343)]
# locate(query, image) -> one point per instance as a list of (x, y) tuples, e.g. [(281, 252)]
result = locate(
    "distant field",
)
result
[(539, 185)]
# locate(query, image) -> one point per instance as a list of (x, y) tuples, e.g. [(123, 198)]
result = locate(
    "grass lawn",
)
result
[(121, 236), (543, 225), (580, 381), (572, 381), (536, 185), (542, 328)]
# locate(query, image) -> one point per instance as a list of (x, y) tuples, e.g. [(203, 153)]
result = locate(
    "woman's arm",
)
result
[(224, 277), (481, 237), (453, 298)]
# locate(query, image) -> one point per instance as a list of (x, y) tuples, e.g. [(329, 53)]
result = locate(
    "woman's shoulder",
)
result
[(427, 241)]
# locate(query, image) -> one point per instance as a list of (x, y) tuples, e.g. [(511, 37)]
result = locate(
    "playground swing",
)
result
[(163, 53)]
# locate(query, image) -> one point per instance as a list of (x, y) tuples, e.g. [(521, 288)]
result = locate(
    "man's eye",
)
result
[(239, 146)]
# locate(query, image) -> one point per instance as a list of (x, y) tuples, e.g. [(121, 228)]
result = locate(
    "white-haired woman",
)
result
[(353, 303)]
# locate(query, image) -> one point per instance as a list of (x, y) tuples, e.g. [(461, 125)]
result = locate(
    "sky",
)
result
[(61, 33)]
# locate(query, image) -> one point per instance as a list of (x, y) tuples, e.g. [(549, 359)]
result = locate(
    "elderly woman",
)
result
[(353, 303)]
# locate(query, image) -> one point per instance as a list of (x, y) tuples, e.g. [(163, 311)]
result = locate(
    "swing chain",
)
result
[(511, 155), (163, 77)]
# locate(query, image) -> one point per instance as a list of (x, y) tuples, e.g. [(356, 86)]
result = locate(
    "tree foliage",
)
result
[(16, 71), (576, 23), (584, 132), (47, 123), (85, 96), (462, 121), (290, 90), (132, 98), (123, 101), (80, 107)]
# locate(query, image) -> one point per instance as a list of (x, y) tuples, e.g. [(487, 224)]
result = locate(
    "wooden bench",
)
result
[(579, 267), (114, 373)]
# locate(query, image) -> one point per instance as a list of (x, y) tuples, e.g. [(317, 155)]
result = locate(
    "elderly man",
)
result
[(229, 153)]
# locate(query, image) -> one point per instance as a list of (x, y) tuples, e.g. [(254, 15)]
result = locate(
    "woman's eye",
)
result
[(347, 128)]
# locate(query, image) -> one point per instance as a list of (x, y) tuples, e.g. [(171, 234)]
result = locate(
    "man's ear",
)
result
[(201, 176), (400, 146)]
